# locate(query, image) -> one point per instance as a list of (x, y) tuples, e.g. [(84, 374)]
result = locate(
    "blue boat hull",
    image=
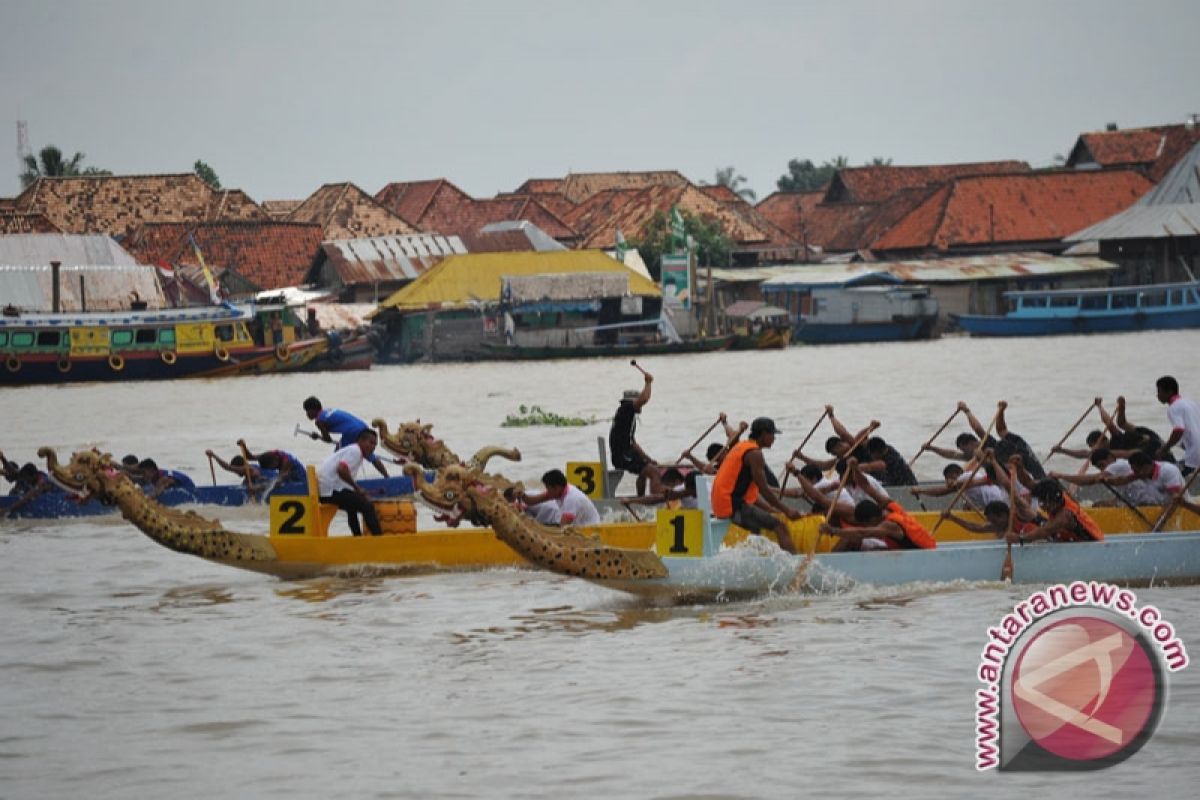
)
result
[(1107, 322), (815, 333), (1128, 560), (55, 504)]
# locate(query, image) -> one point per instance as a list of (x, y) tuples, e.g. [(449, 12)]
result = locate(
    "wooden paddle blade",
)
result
[(1006, 571)]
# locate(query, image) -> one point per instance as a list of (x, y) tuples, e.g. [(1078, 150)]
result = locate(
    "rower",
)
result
[(1067, 522), (882, 523), (338, 486)]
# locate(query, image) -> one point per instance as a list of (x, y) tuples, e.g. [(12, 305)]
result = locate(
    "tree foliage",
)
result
[(727, 176), (713, 247), (207, 174), (50, 163), (805, 176)]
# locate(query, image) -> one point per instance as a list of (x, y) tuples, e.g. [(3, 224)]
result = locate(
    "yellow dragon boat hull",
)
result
[(479, 548)]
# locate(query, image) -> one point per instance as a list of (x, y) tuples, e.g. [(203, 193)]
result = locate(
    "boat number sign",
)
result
[(679, 533), (587, 477), (291, 515)]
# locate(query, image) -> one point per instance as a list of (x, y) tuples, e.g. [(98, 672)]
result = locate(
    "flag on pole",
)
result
[(678, 235), (622, 246), (213, 294)]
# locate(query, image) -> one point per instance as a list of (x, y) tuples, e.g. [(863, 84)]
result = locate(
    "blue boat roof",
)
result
[(221, 313)]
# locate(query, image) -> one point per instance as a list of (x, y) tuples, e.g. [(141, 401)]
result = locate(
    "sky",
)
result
[(282, 97)]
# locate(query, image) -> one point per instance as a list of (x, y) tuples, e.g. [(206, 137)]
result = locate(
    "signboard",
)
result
[(676, 287)]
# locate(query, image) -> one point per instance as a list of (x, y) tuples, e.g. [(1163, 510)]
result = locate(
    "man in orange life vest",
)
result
[(882, 523), (740, 492), (1067, 522)]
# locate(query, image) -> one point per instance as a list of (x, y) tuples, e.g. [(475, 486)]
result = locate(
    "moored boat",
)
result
[(209, 341), (1156, 306)]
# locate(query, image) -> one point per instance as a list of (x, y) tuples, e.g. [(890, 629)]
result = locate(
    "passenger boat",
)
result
[(209, 341), (867, 314), (1120, 308)]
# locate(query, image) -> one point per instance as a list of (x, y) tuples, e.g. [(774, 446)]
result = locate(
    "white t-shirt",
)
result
[(577, 508), (1166, 478), (1139, 492), (982, 492), (1184, 413), (328, 480), (860, 494)]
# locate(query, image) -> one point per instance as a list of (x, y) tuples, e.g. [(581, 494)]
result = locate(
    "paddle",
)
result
[(925, 446), (1174, 503), (795, 453), (703, 436), (842, 484), (1006, 570), (212, 471), (1094, 405), (967, 483), (298, 430), (1124, 500)]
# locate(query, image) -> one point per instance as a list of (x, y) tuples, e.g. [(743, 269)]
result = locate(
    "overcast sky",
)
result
[(281, 97)]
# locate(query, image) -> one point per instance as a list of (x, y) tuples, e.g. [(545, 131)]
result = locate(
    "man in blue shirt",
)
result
[(333, 420)]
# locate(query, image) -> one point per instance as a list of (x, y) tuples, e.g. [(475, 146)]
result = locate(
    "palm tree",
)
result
[(53, 165), (727, 176)]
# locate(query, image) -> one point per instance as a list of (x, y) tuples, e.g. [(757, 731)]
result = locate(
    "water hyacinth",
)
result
[(536, 415)]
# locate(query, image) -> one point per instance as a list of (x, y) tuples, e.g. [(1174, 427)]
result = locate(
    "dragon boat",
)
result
[(698, 557), (682, 553), (58, 503)]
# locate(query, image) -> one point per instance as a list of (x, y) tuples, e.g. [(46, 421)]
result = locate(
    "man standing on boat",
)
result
[(1184, 415), (623, 448), (740, 492), (333, 420), (335, 477)]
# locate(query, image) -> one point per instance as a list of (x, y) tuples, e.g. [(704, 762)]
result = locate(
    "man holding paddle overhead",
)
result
[(740, 492), (1008, 444), (623, 448)]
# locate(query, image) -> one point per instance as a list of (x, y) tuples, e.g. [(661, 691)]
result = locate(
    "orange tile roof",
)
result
[(18, 222), (579, 186), (1155, 149), (116, 204), (412, 199), (558, 204), (269, 254), (787, 210), (345, 211), (441, 207), (722, 193), (1009, 209), (279, 209), (631, 210), (540, 186), (873, 184)]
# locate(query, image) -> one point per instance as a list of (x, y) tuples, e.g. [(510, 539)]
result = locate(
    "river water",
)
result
[(127, 670)]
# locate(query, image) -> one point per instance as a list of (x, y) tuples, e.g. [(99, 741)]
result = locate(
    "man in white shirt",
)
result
[(336, 479), (1184, 415), (1117, 473), (573, 506), (1162, 477)]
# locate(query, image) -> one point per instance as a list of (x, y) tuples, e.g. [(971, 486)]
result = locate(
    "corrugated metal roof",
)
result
[(538, 238), (1172, 208), (465, 281), (107, 287), (389, 258), (997, 266), (38, 249), (572, 286)]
